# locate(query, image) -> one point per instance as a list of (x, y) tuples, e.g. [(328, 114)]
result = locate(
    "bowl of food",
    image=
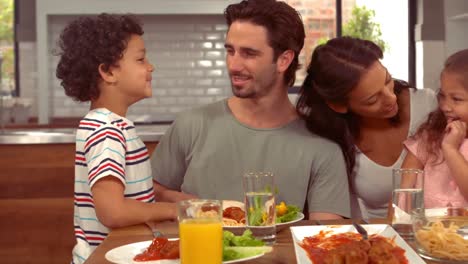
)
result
[(234, 216), (441, 234)]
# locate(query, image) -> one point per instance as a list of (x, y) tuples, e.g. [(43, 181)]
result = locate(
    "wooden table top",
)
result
[(283, 249)]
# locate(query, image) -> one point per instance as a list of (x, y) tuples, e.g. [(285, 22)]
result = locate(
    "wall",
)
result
[(188, 53), (440, 32), (456, 24), (187, 50)]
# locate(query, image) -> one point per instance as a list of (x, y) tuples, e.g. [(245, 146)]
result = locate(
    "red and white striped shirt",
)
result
[(106, 145)]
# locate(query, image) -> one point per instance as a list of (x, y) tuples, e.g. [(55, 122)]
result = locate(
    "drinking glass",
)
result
[(200, 231), (259, 201), (407, 198)]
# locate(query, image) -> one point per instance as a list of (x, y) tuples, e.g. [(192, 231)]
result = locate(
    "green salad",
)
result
[(286, 213), (246, 245)]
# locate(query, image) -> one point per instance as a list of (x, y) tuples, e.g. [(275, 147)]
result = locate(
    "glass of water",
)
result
[(407, 199), (259, 201)]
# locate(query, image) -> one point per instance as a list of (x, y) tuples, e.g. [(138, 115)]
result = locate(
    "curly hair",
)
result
[(432, 131), (334, 71), (88, 42), (283, 24)]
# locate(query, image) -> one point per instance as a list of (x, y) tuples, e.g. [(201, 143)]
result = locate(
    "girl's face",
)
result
[(453, 97), (374, 97)]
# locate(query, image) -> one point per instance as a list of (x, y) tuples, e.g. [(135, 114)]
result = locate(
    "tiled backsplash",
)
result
[(188, 54)]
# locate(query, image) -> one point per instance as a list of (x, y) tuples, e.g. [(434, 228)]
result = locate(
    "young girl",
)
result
[(103, 60), (440, 146)]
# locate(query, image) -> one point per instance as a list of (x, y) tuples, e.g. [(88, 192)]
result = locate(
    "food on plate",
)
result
[(286, 212), (245, 245), (457, 211), (443, 242), (350, 248), (160, 248), (234, 247), (235, 215)]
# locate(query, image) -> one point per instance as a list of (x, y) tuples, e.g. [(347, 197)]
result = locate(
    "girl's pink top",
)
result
[(440, 188)]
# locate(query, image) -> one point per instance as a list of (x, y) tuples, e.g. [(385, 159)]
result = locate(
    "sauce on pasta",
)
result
[(233, 216), (350, 248), (160, 248)]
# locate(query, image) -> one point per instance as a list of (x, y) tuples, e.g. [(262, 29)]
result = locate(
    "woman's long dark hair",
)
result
[(334, 71), (432, 131)]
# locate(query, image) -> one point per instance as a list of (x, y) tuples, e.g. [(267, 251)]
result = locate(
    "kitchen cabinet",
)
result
[(36, 202)]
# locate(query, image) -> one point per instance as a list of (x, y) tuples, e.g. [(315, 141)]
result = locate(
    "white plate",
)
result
[(299, 217), (300, 232), (125, 254), (236, 229)]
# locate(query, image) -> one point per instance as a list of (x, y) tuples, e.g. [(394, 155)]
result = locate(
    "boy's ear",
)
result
[(107, 75), (284, 60), (339, 108)]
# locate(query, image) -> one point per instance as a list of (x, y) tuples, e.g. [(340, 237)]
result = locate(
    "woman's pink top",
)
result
[(440, 188)]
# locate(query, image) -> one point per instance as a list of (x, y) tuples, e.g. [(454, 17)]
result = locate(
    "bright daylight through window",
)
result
[(7, 51), (368, 19)]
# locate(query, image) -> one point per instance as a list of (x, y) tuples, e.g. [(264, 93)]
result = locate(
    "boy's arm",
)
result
[(114, 210), (165, 194)]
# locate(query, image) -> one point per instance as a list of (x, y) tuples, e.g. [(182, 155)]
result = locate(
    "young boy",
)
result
[(103, 60)]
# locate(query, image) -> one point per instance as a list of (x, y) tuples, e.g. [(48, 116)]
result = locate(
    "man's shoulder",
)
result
[(201, 114), (299, 133)]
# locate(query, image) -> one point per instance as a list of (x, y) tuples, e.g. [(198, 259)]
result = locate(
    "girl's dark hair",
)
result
[(334, 71), (88, 42), (433, 129), (283, 24)]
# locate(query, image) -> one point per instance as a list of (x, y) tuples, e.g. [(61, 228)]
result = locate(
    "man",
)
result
[(206, 151)]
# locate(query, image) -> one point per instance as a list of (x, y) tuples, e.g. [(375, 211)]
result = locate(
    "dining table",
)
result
[(283, 249)]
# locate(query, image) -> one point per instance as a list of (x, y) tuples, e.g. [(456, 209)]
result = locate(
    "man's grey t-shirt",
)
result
[(206, 151)]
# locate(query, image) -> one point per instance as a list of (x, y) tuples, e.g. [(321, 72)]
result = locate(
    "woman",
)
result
[(350, 98)]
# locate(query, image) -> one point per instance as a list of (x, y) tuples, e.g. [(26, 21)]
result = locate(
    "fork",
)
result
[(157, 233), (154, 229), (360, 230)]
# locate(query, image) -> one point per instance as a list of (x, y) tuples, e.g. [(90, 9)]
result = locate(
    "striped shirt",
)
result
[(106, 145)]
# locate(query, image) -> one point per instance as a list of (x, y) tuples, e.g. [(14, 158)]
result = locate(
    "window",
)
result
[(7, 48), (390, 20), (320, 18)]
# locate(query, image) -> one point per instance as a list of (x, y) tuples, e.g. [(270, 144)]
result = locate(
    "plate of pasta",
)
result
[(234, 216), (441, 234), (342, 244)]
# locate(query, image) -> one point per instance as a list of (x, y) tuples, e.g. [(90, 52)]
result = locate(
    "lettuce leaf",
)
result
[(246, 245), (290, 215), (245, 240)]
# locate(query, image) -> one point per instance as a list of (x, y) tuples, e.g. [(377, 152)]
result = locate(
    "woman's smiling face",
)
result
[(374, 96)]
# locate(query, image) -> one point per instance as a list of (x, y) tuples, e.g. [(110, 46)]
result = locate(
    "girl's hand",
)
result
[(455, 133)]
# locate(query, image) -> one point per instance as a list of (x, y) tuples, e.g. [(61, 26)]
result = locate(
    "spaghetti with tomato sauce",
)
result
[(350, 248), (160, 248)]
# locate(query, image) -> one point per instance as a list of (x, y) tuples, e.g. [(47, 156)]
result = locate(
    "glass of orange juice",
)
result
[(200, 231)]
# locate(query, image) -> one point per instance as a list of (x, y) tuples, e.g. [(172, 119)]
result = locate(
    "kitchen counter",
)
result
[(147, 133)]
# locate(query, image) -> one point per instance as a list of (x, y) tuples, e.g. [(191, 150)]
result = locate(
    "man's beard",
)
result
[(255, 90)]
